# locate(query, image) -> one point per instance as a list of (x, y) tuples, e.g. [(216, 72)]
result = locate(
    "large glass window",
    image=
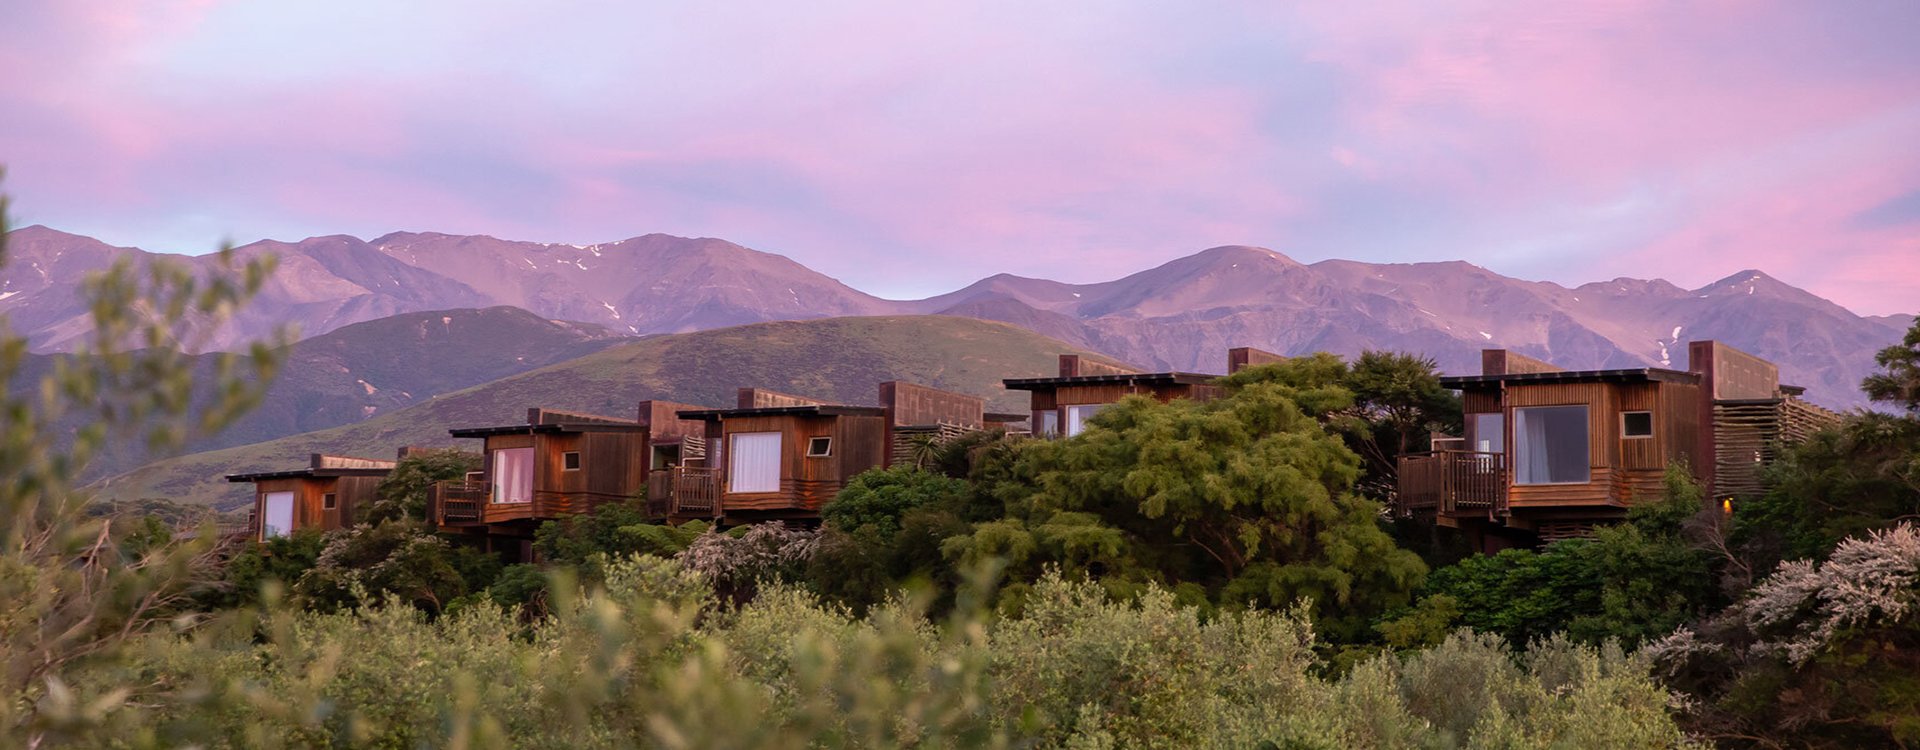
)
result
[(754, 465), (1489, 433), (513, 475), (1049, 423), (1077, 417), (1550, 445), (277, 516)]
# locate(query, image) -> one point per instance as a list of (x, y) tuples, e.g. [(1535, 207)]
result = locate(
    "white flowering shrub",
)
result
[(1800, 609), (1821, 653)]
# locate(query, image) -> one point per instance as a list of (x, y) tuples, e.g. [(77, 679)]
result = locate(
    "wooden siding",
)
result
[(911, 404), (1603, 446), (1074, 365), (1503, 362), (807, 483), (1622, 470), (1480, 402), (1243, 357), (309, 512)]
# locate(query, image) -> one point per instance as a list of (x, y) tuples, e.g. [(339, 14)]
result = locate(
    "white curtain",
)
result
[(277, 520), (513, 475), (1077, 417), (1049, 423), (754, 463)]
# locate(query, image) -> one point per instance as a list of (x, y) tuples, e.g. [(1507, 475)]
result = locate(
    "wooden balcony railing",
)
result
[(686, 491), (458, 501), (1453, 484)]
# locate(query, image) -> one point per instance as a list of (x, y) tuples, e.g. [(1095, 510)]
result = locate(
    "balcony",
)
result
[(683, 492), (458, 501), (1453, 484)]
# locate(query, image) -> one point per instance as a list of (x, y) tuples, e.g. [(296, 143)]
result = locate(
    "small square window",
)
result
[(820, 447), (570, 460), (329, 501), (1636, 424)]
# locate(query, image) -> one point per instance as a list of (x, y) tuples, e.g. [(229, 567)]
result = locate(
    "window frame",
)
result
[(267, 515), (329, 501), (734, 478), (1586, 460), (1625, 435), (570, 457), (816, 440)]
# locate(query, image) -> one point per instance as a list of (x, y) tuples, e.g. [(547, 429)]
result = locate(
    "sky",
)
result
[(911, 148)]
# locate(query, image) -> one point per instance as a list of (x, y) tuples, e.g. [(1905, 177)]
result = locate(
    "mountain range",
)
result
[(368, 369), (1179, 315)]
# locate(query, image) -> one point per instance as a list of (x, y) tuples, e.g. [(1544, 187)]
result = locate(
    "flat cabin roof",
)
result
[(547, 429), (1634, 375), (1132, 378), (996, 417), (306, 473), (808, 410)]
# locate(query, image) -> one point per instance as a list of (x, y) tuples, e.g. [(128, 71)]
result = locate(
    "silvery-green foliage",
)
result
[(72, 590)]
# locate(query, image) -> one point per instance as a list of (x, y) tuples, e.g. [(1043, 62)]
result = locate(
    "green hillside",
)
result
[(836, 359)]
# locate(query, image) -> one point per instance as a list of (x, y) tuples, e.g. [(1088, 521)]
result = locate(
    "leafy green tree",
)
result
[(1900, 383), (1396, 403), (879, 498), (71, 597), (885, 530), (280, 561), (1856, 477), (1247, 497), (611, 531), (403, 494), (368, 563)]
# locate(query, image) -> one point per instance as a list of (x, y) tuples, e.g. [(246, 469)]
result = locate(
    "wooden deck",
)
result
[(684, 492), (1452, 484)]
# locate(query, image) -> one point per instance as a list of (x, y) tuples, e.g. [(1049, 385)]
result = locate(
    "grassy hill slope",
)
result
[(837, 359)]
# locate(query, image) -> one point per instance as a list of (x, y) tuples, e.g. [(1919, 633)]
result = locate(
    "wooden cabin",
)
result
[(556, 464), (322, 495), (1062, 405), (1549, 453), (777, 456)]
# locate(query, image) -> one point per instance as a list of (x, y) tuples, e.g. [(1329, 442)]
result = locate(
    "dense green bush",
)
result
[(647, 660), (1633, 582)]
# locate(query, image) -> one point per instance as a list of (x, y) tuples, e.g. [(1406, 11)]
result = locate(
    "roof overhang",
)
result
[(545, 429), (267, 476), (809, 410), (1132, 378), (1635, 375)]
